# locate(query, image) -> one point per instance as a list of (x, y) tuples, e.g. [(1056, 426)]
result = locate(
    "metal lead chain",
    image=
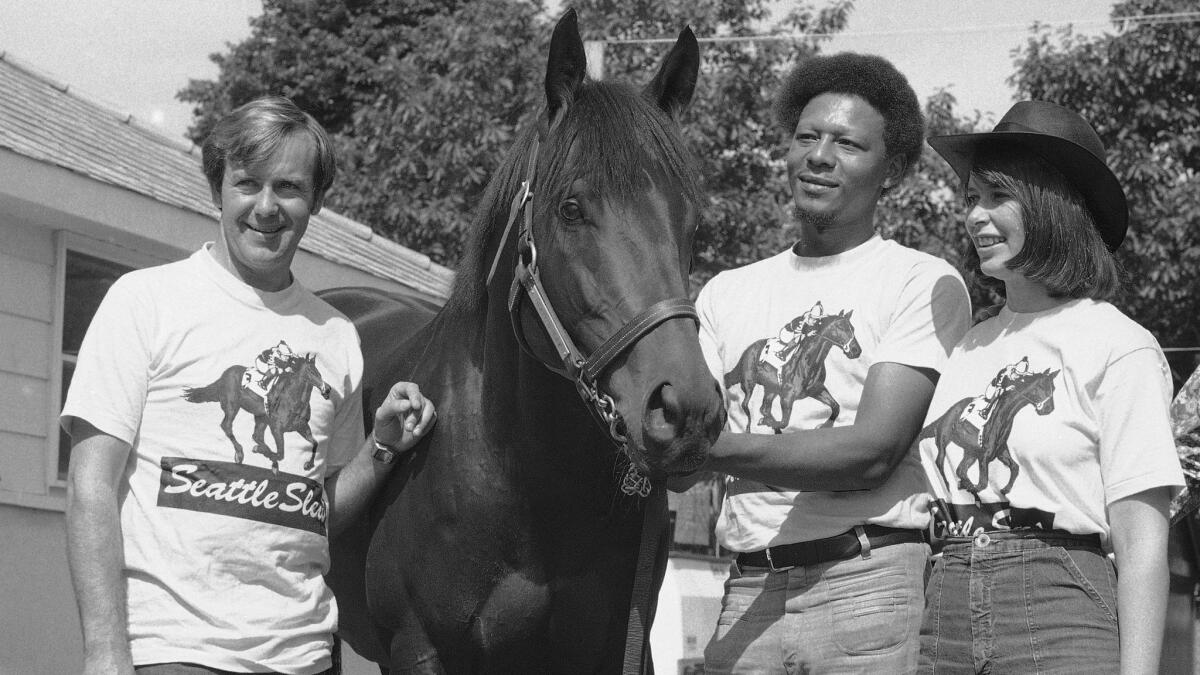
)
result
[(634, 483)]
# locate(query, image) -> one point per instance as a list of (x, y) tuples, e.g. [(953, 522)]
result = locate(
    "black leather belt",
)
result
[(838, 547)]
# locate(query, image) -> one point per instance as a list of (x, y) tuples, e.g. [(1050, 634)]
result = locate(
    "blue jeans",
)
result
[(860, 615), (1008, 603)]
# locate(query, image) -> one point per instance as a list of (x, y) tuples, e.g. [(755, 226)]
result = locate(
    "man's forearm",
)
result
[(816, 460), (96, 559), (352, 488)]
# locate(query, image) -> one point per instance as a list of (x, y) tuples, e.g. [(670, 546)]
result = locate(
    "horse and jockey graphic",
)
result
[(791, 366), (980, 426), (275, 390)]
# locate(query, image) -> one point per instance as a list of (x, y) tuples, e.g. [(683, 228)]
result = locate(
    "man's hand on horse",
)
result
[(404, 417)]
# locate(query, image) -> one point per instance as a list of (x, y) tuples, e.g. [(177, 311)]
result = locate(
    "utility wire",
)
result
[(1124, 23)]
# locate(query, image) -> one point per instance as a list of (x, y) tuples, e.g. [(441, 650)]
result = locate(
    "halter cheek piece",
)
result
[(583, 371)]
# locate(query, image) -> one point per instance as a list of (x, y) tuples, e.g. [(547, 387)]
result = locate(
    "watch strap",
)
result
[(384, 454)]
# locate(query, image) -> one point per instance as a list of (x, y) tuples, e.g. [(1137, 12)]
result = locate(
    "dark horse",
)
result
[(287, 406), (803, 372), (504, 544), (1036, 389)]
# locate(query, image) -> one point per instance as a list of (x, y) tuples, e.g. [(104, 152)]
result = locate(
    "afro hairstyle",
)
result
[(872, 78)]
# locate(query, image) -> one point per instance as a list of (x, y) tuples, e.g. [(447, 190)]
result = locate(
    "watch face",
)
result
[(383, 454)]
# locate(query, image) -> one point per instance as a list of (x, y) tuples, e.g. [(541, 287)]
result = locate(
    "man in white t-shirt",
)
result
[(198, 517), (822, 494)]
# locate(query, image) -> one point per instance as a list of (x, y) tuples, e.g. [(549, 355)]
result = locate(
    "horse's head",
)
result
[(838, 330), (607, 235), (1038, 389)]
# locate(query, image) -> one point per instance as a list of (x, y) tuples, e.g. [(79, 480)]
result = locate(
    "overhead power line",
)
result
[(1124, 23)]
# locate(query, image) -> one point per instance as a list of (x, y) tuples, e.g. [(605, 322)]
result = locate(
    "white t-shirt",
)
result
[(1081, 421), (223, 560), (881, 302)]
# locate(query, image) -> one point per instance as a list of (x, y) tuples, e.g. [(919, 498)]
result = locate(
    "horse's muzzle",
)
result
[(678, 430)]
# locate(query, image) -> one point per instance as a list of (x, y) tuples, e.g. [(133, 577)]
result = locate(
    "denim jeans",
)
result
[(860, 615), (1005, 603)]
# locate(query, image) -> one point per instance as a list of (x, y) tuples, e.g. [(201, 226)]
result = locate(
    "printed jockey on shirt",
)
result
[(267, 366), (977, 411), (777, 350)]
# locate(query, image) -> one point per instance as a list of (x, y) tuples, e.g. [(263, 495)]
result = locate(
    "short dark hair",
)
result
[(255, 130), (873, 79), (1063, 250)]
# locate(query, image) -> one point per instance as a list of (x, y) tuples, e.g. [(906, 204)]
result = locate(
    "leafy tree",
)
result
[(442, 116), (1138, 87), (421, 97), (322, 55)]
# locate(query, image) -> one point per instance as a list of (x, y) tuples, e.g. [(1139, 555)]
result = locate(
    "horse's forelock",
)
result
[(610, 127)]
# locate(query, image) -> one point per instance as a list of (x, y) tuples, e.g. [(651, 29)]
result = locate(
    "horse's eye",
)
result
[(570, 211)]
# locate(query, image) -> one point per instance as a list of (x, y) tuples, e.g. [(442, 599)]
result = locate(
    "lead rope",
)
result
[(637, 628)]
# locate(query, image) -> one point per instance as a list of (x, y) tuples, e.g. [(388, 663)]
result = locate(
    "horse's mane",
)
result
[(609, 128)]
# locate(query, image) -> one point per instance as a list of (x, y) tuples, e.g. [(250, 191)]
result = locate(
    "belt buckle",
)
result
[(771, 563)]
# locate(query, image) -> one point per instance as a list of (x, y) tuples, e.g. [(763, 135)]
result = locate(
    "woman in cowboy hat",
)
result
[(1075, 459)]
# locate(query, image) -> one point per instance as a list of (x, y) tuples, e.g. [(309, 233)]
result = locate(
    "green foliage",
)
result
[(1138, 87)]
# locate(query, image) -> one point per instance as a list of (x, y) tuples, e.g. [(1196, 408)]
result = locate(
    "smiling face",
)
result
[(996, 226), (265, 209), (838, 166)]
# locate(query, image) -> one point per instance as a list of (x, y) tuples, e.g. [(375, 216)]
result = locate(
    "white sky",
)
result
[(134, 55)]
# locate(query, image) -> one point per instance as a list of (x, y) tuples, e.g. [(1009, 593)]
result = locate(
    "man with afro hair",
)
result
[(824, 501)]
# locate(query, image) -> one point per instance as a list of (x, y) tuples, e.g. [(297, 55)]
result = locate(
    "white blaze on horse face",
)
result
[(265, 209)]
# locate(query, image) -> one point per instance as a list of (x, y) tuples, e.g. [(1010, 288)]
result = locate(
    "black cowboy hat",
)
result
[(1065, 141)]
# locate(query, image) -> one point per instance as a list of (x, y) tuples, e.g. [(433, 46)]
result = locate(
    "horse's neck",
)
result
[(1010, 404), (285, 384), (505, 366), (816, 349)]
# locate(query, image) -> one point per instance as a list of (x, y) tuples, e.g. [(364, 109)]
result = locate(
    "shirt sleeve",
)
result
[(710, 346), (348, 434), (932, 313), (1137, 450), (112, 371)]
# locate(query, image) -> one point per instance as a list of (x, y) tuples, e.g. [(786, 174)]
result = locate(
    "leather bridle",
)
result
[(584, 371)]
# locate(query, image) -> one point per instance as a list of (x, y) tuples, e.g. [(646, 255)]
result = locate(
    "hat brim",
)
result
[(1101, 190)]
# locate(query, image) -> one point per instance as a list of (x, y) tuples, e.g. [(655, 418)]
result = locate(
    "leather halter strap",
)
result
[(527, 284)]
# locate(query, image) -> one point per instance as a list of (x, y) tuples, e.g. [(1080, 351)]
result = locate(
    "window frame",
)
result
[(66, 241)]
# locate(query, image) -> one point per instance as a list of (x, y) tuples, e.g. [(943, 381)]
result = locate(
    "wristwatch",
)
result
[(384, 454)]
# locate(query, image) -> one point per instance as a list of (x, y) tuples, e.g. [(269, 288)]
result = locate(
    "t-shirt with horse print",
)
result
[(1043, 419), (225, 517), (791, 339)]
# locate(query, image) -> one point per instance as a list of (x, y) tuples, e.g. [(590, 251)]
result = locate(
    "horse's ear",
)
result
[(675, 82), (1052, 375), (847, 314), (565, 67)]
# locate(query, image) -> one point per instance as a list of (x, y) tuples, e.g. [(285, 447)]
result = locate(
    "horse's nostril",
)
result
[(665, 398)]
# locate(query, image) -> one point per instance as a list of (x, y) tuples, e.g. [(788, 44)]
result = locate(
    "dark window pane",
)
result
[(64, 441), (88, 279)]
